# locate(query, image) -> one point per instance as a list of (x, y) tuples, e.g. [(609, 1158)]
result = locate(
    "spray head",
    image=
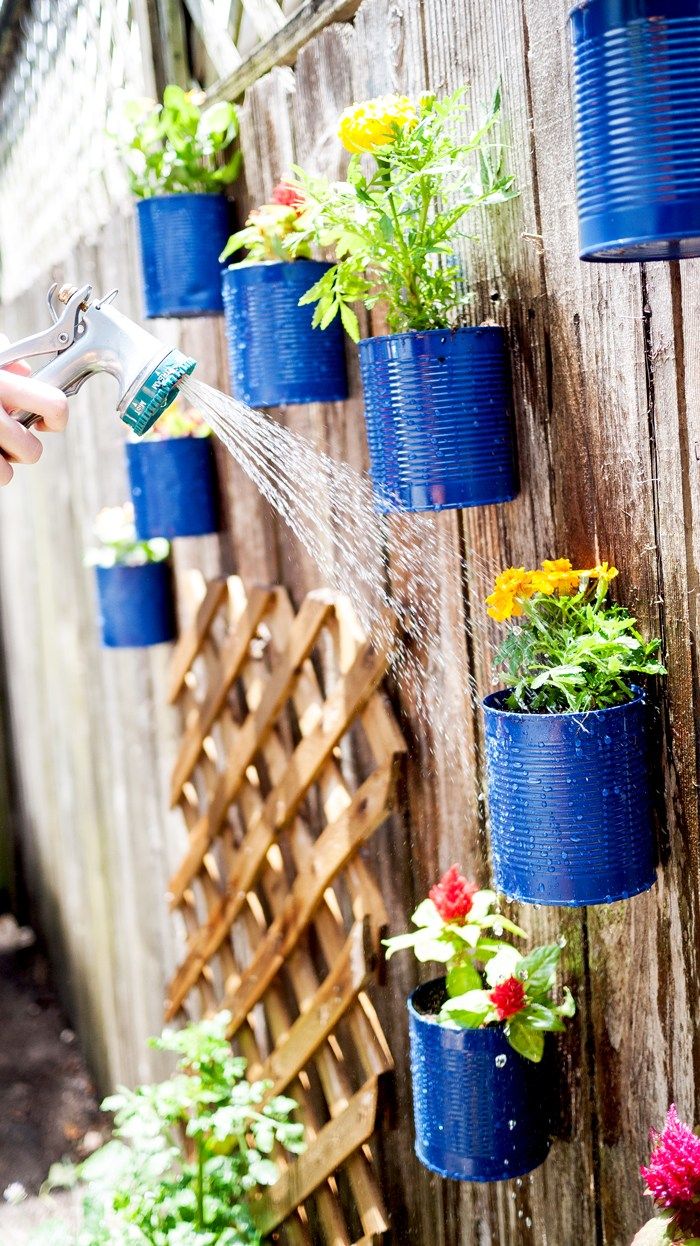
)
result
[(88, 337)]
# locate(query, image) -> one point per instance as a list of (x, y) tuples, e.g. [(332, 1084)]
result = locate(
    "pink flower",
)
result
[(508, 998), (288, 196), (673, 1173), (453, 895)]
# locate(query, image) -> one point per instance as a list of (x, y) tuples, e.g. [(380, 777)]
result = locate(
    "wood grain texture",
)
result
[(606, 377)]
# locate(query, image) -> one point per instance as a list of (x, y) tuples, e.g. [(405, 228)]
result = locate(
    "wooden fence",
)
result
[(607, 377)]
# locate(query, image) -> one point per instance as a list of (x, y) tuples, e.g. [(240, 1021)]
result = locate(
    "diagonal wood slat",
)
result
[(336, 1141), (282, 916), (333, 849), (232, 659), (349, 975)]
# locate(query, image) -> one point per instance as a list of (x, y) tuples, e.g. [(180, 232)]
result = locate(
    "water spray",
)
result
[(87, 337)]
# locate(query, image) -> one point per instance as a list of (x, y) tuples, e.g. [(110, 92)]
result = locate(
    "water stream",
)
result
[(330, 508)]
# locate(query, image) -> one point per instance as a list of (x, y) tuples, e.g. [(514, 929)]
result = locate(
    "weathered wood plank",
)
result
[(442, 824), (283, 47), (606, 376), (504, 271)]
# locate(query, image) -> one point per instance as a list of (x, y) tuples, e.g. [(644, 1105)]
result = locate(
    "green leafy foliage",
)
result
[(478, 960), (393, 230), (117, 543), (177, 146), (575, 653), (187, 1153)]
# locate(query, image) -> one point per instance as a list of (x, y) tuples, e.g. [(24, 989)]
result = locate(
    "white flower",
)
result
[(115, 524), (15, 1193), (502, 965)]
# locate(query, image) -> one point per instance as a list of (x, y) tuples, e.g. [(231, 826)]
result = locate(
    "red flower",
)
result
[(453, 895), (288, 196), (673, 1173), (508, 998)]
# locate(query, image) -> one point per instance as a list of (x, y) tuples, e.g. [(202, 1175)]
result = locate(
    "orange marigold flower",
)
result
[(556, 575)]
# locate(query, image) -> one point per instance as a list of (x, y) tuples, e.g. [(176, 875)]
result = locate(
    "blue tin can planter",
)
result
[(482, 1112), (275, 357), (637, 102), (438, 416), (181, 239), (136, 605), (570, 803), (173, 487)]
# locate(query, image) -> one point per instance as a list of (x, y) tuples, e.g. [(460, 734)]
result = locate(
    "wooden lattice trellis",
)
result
[(283, 917)]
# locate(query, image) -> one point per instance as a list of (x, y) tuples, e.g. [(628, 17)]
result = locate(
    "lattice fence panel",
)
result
[(231, 30), (283, 917), (59, 176)]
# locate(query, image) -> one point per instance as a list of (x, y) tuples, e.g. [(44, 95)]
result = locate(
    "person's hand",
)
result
[(20, 391)]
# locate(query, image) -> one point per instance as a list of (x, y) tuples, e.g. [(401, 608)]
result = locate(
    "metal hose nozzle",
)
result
[(91, 337)]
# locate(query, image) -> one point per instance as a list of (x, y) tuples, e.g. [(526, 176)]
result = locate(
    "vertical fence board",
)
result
[(606, 376)]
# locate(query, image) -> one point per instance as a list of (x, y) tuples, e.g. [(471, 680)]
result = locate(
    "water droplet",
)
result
[(501, 1061), (511, 1125)]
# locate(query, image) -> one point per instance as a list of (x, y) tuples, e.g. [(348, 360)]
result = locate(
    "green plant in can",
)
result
[(177, 147), (392, 228), (187, 1154)]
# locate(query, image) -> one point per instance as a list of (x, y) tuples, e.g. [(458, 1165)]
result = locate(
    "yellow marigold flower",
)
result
[(503, 605), (555, 566), (603, 571), (511, 584), (557, 576), (515, 580), (544, 582), (367, 126)]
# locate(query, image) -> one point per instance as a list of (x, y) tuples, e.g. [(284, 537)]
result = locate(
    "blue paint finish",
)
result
[(570, 803), (173, 487), (637, 103), (482, 1112), (136, 605), (181, 239), (276, 358), (438, 416)]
